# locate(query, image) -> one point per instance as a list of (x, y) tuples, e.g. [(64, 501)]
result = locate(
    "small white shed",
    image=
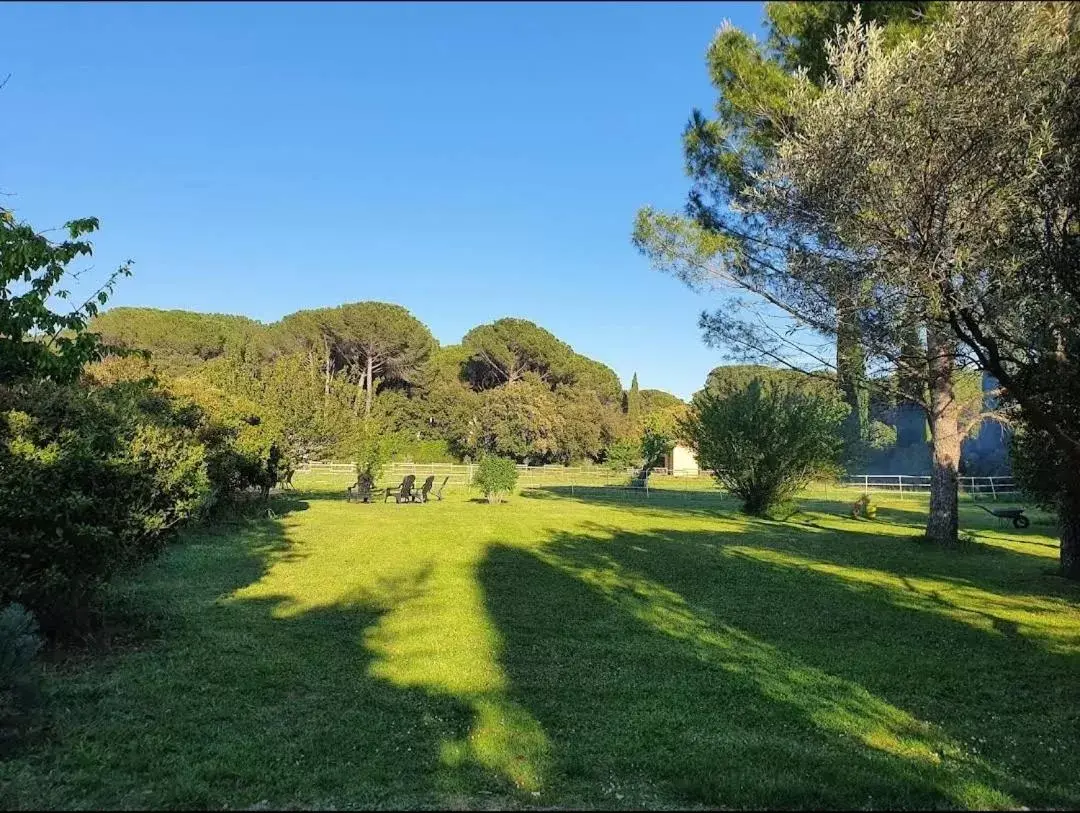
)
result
[(681, 461)]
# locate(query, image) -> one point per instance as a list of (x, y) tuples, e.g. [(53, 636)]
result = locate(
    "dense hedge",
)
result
[(94, 479)]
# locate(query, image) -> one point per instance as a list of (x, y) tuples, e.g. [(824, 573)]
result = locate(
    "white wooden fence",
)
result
[(903, 485)]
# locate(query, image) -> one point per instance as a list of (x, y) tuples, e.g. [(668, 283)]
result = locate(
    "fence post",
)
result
[(992, 489), (900, 480), (866, 484)]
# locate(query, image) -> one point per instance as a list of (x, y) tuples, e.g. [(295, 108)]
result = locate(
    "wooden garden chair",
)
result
[(425, 489), (403, 492), (438, 493)]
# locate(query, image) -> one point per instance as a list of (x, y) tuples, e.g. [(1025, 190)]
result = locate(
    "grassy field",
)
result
[(590, 650)]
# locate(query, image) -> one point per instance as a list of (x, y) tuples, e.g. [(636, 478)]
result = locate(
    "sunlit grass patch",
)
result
[(589, 649)]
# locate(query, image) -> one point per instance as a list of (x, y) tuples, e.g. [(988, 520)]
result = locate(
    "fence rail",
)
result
[(686, 482), (975, 487)]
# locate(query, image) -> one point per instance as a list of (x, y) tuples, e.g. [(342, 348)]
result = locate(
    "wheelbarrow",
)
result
[(1006, 514)]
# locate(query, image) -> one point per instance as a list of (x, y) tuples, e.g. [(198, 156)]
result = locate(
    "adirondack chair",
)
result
[(403, 492), (361, 489), (438, 493), (425, 489)]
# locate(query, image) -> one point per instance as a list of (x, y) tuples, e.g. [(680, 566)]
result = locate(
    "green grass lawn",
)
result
[(593, 649)]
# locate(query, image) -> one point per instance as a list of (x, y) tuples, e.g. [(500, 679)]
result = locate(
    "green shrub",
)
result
[(91, 482), (495, 476), (654, 446), (881, 436), (766, 441), (429, 450), (19, 676), (863, 507), (623, 454)]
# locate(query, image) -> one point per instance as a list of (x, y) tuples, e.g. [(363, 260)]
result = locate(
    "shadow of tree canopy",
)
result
[(714, 501), (756, 680), (735, 662), (243, 690)]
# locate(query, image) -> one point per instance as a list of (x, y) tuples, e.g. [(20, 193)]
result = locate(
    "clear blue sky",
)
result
[(468, 161)]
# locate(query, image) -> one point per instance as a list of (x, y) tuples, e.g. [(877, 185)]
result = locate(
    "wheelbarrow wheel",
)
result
[(1021, 522)]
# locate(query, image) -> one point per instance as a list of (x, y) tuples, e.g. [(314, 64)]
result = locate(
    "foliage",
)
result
[(244, 446), (20, 677), (654, 446), (799, 297), (864, 507), (658, 400), (433, 450), (373, 449), (495, 477), (586, 425), (766, 441), (520, 421), (505, 350), (633, 402), (982, 142), (624, 454), (289, 393), (882, 436), (730, 378), (1039, 466), (91, 481), (35, 342), (180, 341), (307, 376)]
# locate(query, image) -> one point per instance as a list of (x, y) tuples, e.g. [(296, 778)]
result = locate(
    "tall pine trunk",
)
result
[(943, 523), (328, 369), (359, 390), (368, 379)]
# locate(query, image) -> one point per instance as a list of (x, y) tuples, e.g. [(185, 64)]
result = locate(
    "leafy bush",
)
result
[(428, 450), (19, 677), (864, 507), (495, 476), (623, 454), (766, 441), (653, 448), (882, 436), (91, 481)]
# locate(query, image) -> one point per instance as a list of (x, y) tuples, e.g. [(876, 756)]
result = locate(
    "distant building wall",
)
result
[(682, 461)]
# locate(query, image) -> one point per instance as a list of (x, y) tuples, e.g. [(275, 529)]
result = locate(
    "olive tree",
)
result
[(946, 168)]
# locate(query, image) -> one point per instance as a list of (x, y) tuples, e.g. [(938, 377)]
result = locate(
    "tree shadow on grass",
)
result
[(715, 501), (247, 701), (895, 537), (667, 659), (703, 503)]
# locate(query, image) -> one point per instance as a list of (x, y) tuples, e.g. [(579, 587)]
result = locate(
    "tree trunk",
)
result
[(851, 378), (368, 379), (943, 523), (1069, 527), (359, 389), (327, 368)]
